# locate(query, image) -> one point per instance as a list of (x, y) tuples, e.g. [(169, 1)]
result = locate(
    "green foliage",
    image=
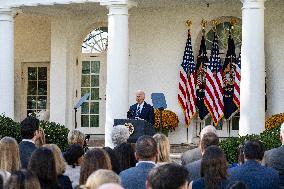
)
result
[(54, 132), (9, 128), (269, 138)]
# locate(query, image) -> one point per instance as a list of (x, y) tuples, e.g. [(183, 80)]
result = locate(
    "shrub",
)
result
[(54, 132), (269, 138)]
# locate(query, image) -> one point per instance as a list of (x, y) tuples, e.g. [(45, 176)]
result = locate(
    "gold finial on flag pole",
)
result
[(233, 22), (203, 25), (215, 23), (188, 24)]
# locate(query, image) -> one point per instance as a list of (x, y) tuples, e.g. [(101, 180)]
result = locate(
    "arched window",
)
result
[(96, 41)]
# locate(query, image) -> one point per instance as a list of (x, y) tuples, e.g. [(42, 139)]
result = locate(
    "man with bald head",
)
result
[(141, 109)]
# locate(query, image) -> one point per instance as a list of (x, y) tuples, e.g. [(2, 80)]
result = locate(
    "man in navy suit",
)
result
[(252, 173), (146, 152), (30, 133), (141, 109)]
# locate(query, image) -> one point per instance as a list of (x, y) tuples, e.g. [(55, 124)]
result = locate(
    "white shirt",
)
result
[(140, 106), (28, 140)]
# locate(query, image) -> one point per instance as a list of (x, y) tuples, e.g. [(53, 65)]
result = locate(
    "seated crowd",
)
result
[(32, 164)]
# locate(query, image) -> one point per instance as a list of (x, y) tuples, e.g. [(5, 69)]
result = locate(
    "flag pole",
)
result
[(188, 24)]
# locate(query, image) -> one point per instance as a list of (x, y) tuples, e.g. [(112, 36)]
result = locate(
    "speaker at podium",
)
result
[(137, 128)]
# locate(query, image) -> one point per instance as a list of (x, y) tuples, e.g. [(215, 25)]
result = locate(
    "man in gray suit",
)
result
[(194, 168), (146, 152), (195, 154), (274, 158)]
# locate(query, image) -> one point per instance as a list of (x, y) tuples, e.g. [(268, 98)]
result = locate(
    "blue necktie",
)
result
[(138, 111)]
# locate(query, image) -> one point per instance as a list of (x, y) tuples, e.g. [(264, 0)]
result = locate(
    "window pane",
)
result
[(84, 120), (30, 112), (31, 102), (32, 86), (42, 88), (208, 121), (42, 73), (86, 67), (94, 108), (85, 108), (95, 94), (32, 73), (84, 91), (235, 122), (94, 121), (42, 100), (85, 81), (95, 65), (95, 80)]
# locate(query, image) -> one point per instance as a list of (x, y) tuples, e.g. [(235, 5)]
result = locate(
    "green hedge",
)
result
[(54, 132), (269, 138)]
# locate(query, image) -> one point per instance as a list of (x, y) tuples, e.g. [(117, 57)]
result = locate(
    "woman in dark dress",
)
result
[(214, 173)]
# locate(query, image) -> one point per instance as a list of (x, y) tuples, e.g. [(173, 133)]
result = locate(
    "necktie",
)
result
[(138, 111)]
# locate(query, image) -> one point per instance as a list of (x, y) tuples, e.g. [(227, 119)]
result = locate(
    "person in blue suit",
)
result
[(146, 153), (141, 109), (252, 173)]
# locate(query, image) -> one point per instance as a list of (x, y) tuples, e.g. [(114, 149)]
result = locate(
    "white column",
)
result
[(7, 63), (117, 66), (252, 97)]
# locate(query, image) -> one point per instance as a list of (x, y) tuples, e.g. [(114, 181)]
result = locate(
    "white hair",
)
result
[(208, 129), (119, 134)]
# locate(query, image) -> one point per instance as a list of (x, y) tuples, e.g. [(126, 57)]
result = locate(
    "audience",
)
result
[(213, 170), (274, 158), (23, 179), (163, 145), (76, 137), (252, 173), (93, 160), (30, 134), (74, 156), (63, 180), (9, 157), (194, 168), (110, 186), (114, 162), (167, 176), (146, 154), (100, 177), (195, 154), (41, 139), (42, 164), (123, 150)]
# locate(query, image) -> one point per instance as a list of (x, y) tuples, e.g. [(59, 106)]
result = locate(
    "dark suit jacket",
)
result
[(274, 158), (135, 177), (190, 156), (255, 176), (194, 168), (26, 149), (147, 112)]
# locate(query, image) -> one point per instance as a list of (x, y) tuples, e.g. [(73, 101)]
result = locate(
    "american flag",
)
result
[(186, 93), (236, 96), (214, 84)]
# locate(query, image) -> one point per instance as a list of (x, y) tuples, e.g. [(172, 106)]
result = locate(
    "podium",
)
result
[(141, 127)]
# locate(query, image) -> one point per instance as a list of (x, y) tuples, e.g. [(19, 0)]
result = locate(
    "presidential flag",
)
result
[(202, 61), (229, 79), (186, 92), (214, 84), (236, 96)]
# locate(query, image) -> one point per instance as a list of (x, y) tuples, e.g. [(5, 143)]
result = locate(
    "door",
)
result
[(91, 115), (35, 79)]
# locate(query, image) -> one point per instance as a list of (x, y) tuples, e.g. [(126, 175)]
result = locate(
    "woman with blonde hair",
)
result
[(100, 177), (76, 137), (93, 160), (23, 179), (9, 157), (63, 180), (163, 145)]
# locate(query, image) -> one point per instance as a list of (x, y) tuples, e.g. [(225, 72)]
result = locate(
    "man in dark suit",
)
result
[(141, 109), (146, 152), (274, 158), (30, 133), (252, 173)]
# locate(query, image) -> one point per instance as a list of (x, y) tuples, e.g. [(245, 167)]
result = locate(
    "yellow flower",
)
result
[(169, 119), (274, 121)]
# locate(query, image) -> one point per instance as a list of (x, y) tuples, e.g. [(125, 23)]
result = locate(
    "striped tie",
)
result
[(138, 111)]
